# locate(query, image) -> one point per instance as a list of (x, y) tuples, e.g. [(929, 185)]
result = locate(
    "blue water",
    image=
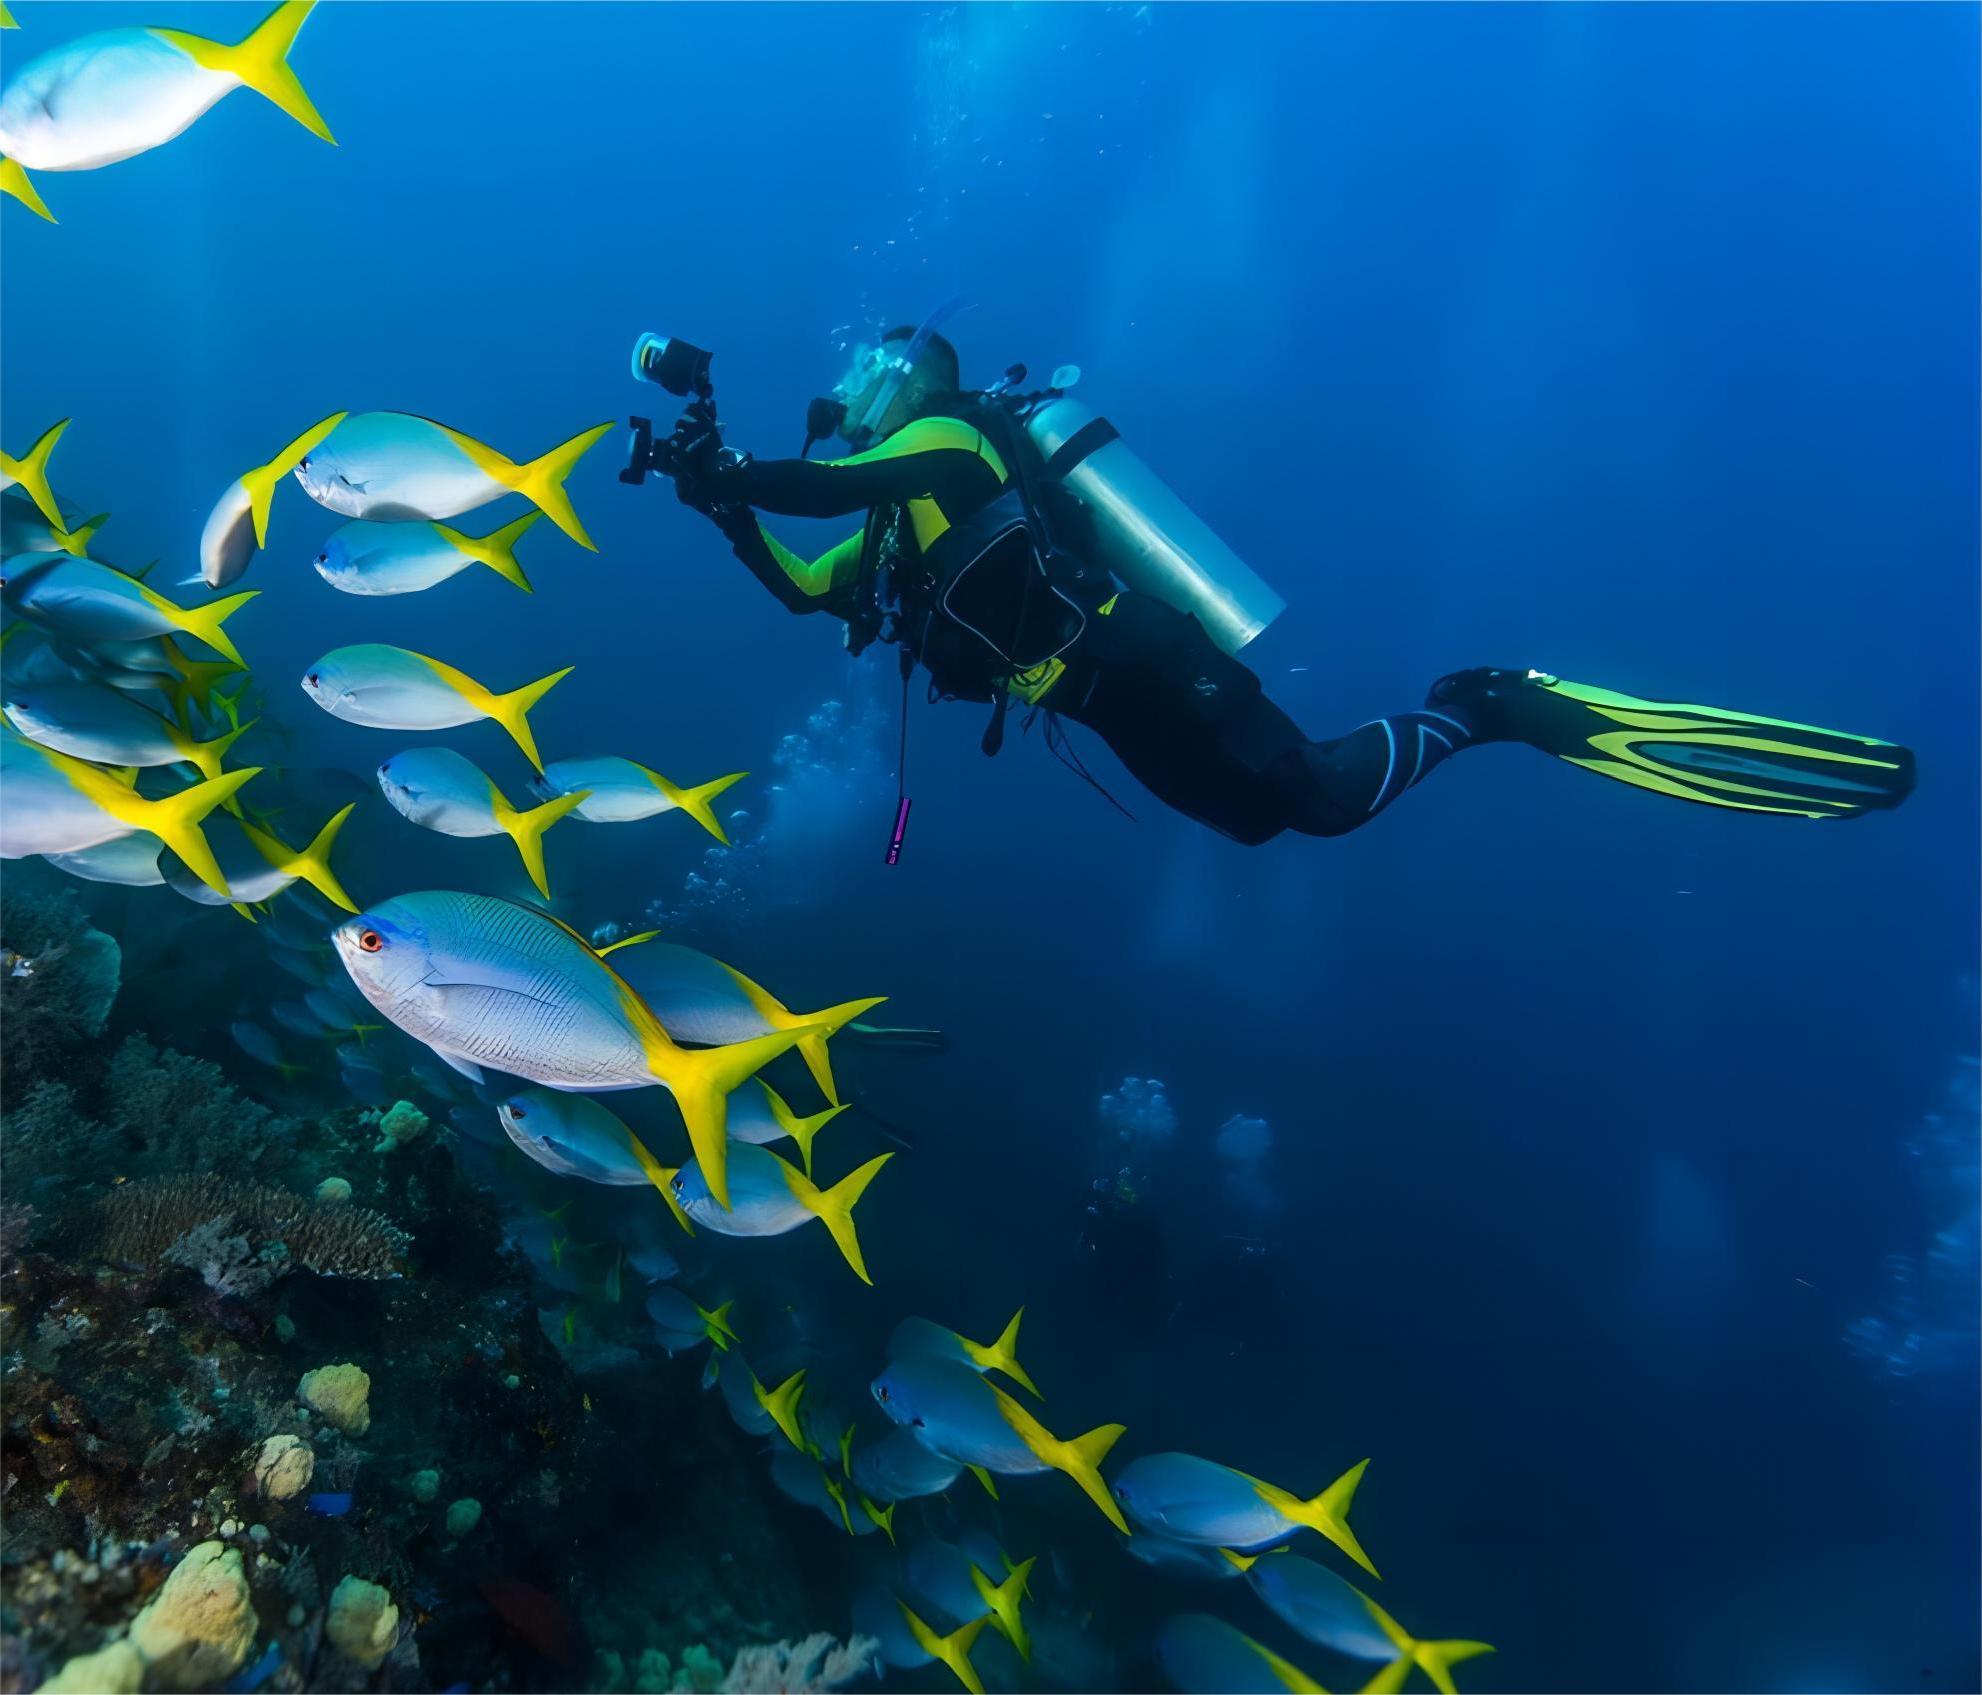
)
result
[(1636, 343)]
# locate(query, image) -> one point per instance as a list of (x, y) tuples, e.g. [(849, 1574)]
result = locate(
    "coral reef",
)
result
[(402, 1122), (362, 1623), (284, 1466), (819, 1661), (341, 1394), (227, 1231), (198, 1629)]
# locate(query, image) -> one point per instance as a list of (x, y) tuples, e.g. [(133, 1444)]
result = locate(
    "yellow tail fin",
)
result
[(261, 61), (31, 469), (626, 942), (883, 1518), (1002, 1355), (205, 757), (834, 1207), (526, 830), (701, 1079), (1390, 1679), (800, 1130), (1079, 1457), (14, 181), (1003, 1600), (260, 482), (695, 801), (203, 622), (782, 1404), (8, 20), (312, 865), (716, 1323), (1435, 1659), (541, 482), (76, 542), (953, 1650), (985, 1480), (1328, 1512), (662, 1177), (510, 711), (173, 819), (497, 549), (193, 678)]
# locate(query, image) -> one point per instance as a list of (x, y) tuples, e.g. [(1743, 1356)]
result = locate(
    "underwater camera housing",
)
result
[(682, 369)]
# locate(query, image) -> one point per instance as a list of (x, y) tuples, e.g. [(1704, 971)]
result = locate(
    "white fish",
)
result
[(119, 92), (366, 557), (490, 982), (81, 601), (768, 1197), (238, 523), (619, 791), (130, 861), (258, 865), (444, 791), (109, 727), (58, 804), (392, 688), (392, 465)]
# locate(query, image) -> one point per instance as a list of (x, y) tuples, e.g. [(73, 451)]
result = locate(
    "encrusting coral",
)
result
[(199, 1627), (341, 1394), (362, 1622), (149, 1222), (284, 1466)]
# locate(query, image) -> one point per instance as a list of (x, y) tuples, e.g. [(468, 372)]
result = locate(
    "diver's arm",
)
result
[(816, 585), (933, 458)]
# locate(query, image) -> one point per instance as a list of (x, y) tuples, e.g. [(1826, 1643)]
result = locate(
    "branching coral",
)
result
[(61, 978), (149, 1222), (819, 1661), (168, 1100)]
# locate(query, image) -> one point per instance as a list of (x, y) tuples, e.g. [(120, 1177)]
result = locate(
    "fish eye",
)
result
[(917, 1423), (370, 940), (312, 680), (881, 1393), (323, 559), (303, 464)]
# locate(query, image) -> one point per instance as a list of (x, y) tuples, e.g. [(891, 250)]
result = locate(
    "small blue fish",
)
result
[(396, 465), (329, 1504), (618, 791), (128, 861), (900, 1467), (1203, 1655), (919, 1338), (768, 1197), (957, 1412), (391, 688), (950, 1581), (1194, 1500), (403, 558), (441, 790), (80, 601), (908, 1642)]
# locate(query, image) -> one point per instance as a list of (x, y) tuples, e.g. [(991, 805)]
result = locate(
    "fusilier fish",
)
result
[(58, 804), (957, 1412), (685, 1324), (390, 688), (1203, 1655), (258, 865), (900, 1467), (920, 1338), (700, 999), (909, 1642), (110, 727), (397, 465), (81, 601), (1195, 1500), (118, 92), (238, 524), (619, 791), (365, 557), (768, 1197), (575, 1136), (29, 473), (129, 861), (484, 981), (944, 1576), (1334, 1613), (442, 790)]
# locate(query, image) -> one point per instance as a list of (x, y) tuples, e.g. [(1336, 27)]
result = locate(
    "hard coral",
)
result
[(341, 1394), (362, 1621), (199, 1627), (819, 1661), (147, 1223)]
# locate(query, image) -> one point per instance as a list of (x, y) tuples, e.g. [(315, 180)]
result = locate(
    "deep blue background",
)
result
[(1637, 343)]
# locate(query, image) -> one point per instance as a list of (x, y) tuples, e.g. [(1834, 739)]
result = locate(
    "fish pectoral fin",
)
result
[(467, 1067)]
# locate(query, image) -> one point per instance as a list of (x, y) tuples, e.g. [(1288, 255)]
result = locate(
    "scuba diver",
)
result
[(1018, 549)]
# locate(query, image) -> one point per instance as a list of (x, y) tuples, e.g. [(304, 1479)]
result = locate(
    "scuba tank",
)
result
[(1144, 534)]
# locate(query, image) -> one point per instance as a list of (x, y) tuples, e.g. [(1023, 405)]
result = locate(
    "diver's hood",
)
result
[(873, 381)]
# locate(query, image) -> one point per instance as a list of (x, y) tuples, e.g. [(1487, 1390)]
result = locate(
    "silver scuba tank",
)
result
[(1148, 537)]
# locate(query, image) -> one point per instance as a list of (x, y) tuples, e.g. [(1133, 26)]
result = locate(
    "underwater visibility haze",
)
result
[(1020, 847)]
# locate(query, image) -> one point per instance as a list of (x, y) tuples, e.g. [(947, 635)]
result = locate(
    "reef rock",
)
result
[(362, 1622), (200, 1626), (341, 1394), (284, 1466), (402, 1122), (116, 1670)]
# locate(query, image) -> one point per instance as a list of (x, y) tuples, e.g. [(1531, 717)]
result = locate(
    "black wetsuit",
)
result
[(1188, 720)]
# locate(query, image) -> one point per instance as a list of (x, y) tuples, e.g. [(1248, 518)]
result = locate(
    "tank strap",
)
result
[(1089, 439)]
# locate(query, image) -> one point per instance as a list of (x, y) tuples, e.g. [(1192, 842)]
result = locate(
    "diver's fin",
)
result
[(14, 181), (511, 711), (834, 1207), (1706, 754), (953, 1650), (1003, 1600), (1327, 1512), (800, 1130), (526, 829), (1002, 1355), (1079, 1457), (541, 482), (260, 482), (695, 801), (203, 622), (31, 469), (497, 549), (261, 61)]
